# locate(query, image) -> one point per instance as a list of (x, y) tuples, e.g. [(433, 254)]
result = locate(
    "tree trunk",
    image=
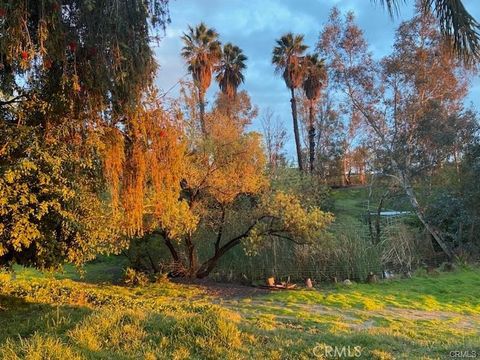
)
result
[(311, 139), (419, 212), (170, 246), (192, 258), (345, 175), (296, 132), (205, 269), (201, 100), (178, 263)]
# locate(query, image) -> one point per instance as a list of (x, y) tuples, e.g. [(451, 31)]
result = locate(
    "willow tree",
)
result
[(72, 78), (315, 78), (287, 58), (202, 52)]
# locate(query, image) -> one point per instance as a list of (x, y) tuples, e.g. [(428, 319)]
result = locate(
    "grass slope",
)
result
[(58, 316)]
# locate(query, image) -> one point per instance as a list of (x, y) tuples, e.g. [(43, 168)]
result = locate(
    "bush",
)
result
[(400, 248), (133, 277)]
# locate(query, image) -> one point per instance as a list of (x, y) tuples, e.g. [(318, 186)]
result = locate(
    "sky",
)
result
[(254, 25)]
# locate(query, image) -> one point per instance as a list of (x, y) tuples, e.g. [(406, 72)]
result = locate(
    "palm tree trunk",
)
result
[(201, 101), (311, 138), (296, 132)]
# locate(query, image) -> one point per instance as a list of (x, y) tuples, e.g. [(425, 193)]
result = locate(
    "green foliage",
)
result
[(50, 207), (302, 224), (133, 277), (73, 75), (311, 190)]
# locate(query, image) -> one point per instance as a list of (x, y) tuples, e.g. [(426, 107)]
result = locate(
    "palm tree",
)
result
[(315, 79), (229, 71), (202, 52), (456, 24), (287, 58)]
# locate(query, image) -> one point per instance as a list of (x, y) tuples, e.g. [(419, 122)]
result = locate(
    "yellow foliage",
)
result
[(228, 162), (304, 224)]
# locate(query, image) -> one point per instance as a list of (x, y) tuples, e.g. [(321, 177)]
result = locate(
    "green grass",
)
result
[(60, 316), (105, 269), (350, 201)]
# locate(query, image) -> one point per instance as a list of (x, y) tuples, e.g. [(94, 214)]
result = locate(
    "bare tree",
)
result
[(275, 137)]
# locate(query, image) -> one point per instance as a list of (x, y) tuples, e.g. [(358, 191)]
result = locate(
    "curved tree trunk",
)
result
[(205, 269), (177, 261), (311, 138), (296, 132), (437, 235)]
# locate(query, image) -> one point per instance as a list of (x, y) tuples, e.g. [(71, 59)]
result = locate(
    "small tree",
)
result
[(224, 182)]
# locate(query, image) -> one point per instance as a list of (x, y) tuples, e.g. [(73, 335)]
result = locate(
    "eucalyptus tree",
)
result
[(396, 96), (287, 57)]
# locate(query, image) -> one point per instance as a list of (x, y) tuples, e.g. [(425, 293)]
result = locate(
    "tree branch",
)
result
[(14, 100)]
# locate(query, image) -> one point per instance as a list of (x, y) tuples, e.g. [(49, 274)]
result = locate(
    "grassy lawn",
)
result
[(60, 316)]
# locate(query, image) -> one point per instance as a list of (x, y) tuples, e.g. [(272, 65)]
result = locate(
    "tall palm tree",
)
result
[(202, 52), (229, 71), (313, 83), (287, 58), (456, 24)]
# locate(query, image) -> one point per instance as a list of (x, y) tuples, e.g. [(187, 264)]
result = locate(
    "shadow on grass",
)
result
[(103, 270), (19, 317)]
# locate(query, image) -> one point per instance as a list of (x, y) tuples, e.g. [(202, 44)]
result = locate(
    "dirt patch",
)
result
[(223, 291)]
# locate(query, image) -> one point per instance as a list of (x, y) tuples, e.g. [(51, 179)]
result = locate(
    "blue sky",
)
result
[(255, 24)]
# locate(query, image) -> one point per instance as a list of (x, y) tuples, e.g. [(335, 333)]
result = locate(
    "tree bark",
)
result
[(172, 249), (205, 269), (311, 139), (192, 259), (178, 263), (201, 101), (437, 235), (296, 132)]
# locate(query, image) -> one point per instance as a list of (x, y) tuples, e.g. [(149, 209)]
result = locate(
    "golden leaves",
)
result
[(229, 162), (304, 224)]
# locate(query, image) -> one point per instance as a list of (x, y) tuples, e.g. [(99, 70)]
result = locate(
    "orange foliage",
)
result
[(228, 162), (143, 167)]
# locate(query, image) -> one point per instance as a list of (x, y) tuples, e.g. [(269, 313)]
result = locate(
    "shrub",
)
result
[(400, 248), (133, 277)]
